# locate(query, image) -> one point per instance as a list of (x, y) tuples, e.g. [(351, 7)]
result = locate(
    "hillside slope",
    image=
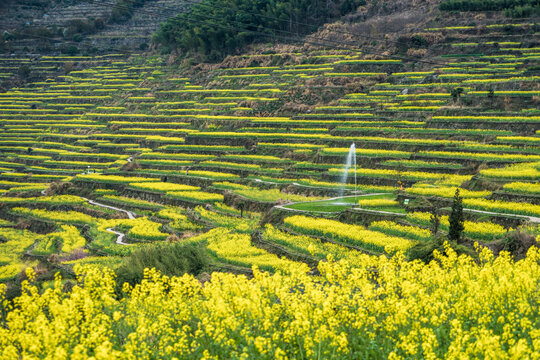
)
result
[(89, 25), (276, 124), (301, 188)]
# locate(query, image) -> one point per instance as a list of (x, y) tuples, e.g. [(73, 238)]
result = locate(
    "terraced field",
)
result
[(180, 158), (291, 201)]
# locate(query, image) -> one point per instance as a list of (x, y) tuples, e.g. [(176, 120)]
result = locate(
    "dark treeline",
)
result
[(513, 8), (214, 28)]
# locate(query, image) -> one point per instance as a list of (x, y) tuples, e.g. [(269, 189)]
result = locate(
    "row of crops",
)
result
[(119, 152), (162, 211)]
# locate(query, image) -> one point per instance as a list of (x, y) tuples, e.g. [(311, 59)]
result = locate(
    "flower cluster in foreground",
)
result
[(454, 307)]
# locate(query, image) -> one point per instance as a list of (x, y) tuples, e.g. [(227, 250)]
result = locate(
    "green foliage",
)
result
[(122, 10), (170, 259), (523, 11), (513, 8), (419, 41), (78, 27), (456, 93), (24, 71), (70, 50), (435, 222), (456, 219), (424, 250), (214, 28), (518, 243)]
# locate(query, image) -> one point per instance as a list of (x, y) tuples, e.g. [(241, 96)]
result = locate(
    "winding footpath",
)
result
[(131, 215), (120, 236)]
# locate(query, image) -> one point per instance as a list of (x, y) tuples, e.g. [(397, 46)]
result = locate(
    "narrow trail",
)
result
[(120, 238), (265, 182), (284, 206), (131, 215), (532, 219)]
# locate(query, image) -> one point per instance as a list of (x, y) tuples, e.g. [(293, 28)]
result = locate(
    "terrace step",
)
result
[(507, 196)]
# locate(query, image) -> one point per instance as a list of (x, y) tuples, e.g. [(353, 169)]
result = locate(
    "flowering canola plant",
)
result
[(163, 186), (348, 234), (521, 187), (393, 228), (445, 192), (386, 308), (479, 230)]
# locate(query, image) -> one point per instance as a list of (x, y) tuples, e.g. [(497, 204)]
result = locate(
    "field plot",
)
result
[(246, 168), (146, 146)]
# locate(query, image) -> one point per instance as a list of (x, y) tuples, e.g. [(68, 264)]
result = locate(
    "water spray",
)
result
[(350, 161)]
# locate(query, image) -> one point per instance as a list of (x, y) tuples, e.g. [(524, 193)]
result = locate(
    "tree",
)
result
[(241, 206), (71, 50), (24, 71), (491, 95), (214, 28), (435, 221), (456, 219), (456, 93)]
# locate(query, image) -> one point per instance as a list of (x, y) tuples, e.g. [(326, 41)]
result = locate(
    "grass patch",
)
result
[(336, 205)]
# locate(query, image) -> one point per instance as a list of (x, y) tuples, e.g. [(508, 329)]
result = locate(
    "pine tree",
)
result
[(456, 219)]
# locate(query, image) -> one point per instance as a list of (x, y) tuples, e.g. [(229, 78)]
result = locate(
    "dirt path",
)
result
[(120, 238), (131, 215), (284, 206), (532, 219)]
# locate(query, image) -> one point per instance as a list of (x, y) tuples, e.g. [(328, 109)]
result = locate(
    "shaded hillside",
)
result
[(215, 28), (82, 26)]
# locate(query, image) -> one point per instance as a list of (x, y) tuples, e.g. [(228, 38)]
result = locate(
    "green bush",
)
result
[(71, 50), (171, 259), (123, 9), (523, 11), (24, 71), (423, 250)]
